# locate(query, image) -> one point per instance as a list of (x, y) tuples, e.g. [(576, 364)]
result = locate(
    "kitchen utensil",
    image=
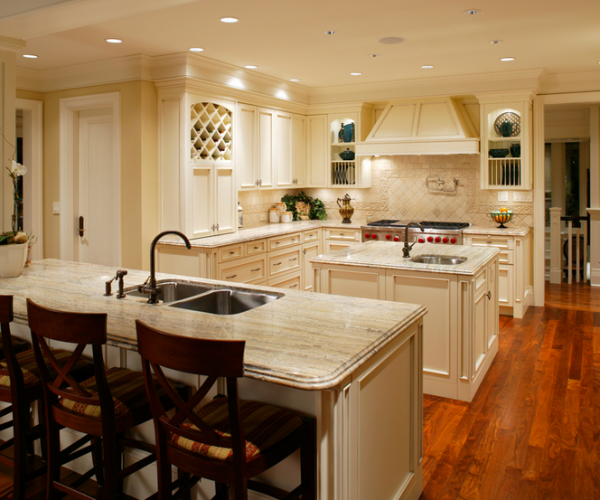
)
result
[(498, 153), (346, 210), (501, 218)]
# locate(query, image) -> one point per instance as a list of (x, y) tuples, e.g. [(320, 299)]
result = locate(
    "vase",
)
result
[(12, 260)]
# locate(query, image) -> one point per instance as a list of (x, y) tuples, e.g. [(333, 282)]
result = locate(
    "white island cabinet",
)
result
[(318, 355), (461, 326)]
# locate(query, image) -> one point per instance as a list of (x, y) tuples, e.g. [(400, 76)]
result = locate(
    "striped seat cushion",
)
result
[(31, 375), (264, 426), (126, 387)]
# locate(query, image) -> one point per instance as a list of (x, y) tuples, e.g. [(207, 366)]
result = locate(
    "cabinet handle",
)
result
[(231, 253), (295, 258), (254, 270), (489, 295), (278, 264), (256, 183), (231, 277), (304, 251), (277, 243), (255, 248), (213, 227), (294, 286), (260, 182)]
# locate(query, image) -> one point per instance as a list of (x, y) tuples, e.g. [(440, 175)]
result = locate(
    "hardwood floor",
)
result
[(533, 429)]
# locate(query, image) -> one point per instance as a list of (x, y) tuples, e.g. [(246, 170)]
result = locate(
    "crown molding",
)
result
[(570, 82), (11, 44), (356, 106), (429, 87)]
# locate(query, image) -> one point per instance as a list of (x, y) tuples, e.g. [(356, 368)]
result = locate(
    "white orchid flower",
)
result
[(18, 169)]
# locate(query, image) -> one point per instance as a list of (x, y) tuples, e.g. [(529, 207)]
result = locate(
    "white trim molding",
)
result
[(68, 112), (594, 246)]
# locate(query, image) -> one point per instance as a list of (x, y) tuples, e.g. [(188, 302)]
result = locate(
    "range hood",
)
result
[(440, 125)]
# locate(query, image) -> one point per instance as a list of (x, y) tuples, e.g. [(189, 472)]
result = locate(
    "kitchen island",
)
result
[(461, 327), (316, 354)]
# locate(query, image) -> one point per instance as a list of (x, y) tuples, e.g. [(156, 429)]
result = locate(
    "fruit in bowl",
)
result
[(501, 217)]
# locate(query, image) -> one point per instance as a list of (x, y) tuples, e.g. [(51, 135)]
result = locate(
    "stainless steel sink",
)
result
[(172, 290), (445, 260), (226, 301)]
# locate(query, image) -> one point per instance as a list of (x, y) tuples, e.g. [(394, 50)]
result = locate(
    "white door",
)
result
[(97, 205)]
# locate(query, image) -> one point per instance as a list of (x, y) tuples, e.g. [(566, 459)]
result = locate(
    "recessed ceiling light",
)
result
[(507, 59), (373, 55), (196, 49), (294, 79), (30, 56), (329, 32), (427, 66), (114, 40), (495, 42), (229, 20), (356, 74), (391, 40), (251, 66), (472, 12)]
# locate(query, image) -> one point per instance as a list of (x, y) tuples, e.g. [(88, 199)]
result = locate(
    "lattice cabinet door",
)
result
[(211, 133)]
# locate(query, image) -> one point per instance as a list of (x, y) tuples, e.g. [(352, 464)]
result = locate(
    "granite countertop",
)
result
[(304, 340), (495, 230), (381, 254), (258, 233)]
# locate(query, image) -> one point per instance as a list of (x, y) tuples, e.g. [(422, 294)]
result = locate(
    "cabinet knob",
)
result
[(489, 295), (231, 253)]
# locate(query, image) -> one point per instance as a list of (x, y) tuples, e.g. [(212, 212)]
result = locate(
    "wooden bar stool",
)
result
[(227, 440), (20, 385), (103, 406)]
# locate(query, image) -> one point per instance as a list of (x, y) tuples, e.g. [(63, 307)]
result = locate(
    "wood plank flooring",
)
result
[(533, 429)]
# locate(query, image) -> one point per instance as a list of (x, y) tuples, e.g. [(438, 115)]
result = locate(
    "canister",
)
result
[(273, 215), (286, 217)]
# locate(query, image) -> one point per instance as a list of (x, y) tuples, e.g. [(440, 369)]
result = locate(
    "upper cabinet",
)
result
[(347, 169), (506, 133), (271, 148), (317, 147)]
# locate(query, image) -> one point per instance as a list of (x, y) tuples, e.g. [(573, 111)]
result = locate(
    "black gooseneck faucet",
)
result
[(407, 248), (150, 285)]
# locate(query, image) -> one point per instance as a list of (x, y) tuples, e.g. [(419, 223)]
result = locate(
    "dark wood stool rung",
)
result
[(70, 491), (140, 464), (6, 411), (6, 425), (7, 444)]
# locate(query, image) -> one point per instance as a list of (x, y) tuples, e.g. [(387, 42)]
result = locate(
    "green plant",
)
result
[(317, 208)]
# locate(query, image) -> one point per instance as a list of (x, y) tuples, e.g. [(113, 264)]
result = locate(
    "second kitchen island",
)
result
[(460, 337)]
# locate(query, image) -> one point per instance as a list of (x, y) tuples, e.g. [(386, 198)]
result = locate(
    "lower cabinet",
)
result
[(290, 281), (309, 251), (460, 331), (246, 270), (336, 239)]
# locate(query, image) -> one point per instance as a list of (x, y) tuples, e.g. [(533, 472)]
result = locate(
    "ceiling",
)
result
[(286, 39)]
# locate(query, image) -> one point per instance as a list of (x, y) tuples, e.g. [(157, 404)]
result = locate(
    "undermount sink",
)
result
[(210, 299), (225, 301), (172, 290), (445, 260)]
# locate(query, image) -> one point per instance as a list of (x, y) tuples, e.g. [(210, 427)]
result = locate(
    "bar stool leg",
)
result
[(97, 461), (20, 447), (53, 430)]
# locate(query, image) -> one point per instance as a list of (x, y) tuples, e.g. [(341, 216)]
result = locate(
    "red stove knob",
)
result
[(396, 238), (367, 236), (429, 239), (421, 240), (388, 236), (374, 236), (438, 239), (453, 240), (445, 240)]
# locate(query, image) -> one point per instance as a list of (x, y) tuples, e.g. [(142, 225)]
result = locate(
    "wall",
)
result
[(139, 163), (398, 192)]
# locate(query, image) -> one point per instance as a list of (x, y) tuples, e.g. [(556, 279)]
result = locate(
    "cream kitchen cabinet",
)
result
[(336, 239), (299, 150), (197, 167), (514, 273), (245, 270), (311, 247), (352, 281), (317, 146), (282, 149)]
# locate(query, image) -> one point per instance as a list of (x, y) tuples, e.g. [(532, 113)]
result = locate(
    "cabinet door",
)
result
[(362, 282), (299, 150), (317, 171), (246, 143), (202, 214), (265, 148), (282, 147), (309, 251), (226, 211), (493, 312), (480, 326), (506, 285)]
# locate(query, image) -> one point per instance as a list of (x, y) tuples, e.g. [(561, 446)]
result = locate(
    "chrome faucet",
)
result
[(150, 285), (407, 248)]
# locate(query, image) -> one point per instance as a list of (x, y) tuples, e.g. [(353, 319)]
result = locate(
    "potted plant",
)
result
[(14, 244)]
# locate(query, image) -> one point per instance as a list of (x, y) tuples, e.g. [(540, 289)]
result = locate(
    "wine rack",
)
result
[(211, 132)]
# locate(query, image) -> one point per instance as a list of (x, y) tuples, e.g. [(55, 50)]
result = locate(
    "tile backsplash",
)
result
[(399, 191)]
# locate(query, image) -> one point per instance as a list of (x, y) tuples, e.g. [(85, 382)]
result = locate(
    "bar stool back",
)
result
[(226, 440), (104, 406)]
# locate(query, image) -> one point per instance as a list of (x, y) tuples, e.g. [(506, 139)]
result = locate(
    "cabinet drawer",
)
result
[(342, 234), (309, 236), (284, 261), (231, 252), (256, 247), (506, 257), (289, 281), (332, 246), (491, 240), (247, 270), (284, 241)]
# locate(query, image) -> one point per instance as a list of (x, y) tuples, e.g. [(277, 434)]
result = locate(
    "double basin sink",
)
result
[(446, 260), (205, 298)]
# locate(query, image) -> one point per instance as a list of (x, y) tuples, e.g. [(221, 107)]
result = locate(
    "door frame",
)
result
[(33, 160), (69, 107)]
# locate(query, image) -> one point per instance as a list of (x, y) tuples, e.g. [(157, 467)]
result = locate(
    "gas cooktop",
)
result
[(425, 224)]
